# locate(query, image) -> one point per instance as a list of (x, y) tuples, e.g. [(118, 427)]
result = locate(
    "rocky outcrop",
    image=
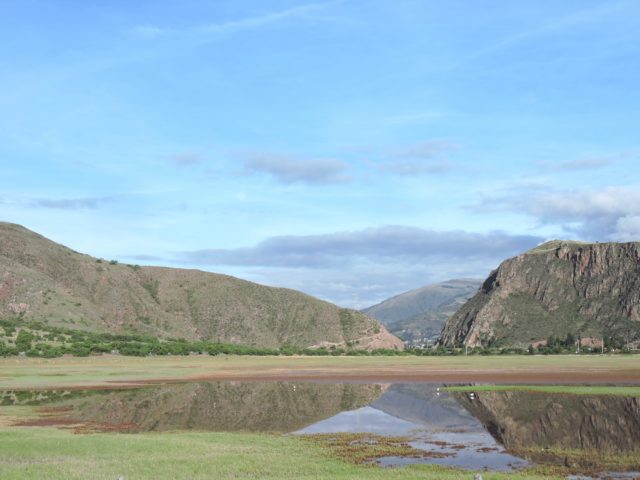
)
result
[(558, 288)]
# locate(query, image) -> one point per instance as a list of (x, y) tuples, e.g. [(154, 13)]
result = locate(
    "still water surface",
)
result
[(485, 430)]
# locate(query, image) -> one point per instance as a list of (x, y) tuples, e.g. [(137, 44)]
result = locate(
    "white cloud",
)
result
[(186, 159), (605, 214), (70, 203), (419, 158), (259, 20), (288, 169), (388, 244), (362, 267), (427, 150), (585, 164), (627, 229), (148, 31)]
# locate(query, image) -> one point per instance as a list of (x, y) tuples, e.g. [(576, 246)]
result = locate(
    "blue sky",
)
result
[(349, 149)]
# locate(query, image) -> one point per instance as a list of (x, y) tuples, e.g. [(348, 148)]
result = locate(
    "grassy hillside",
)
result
[(44, 281), (419, 314), (561, 289)]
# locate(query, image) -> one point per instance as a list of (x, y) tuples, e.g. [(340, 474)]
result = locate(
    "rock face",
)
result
[(418, 315), (558, 288), (42, 280)]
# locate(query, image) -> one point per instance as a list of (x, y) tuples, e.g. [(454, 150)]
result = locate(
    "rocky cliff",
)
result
[(557, 288), (42, 280)]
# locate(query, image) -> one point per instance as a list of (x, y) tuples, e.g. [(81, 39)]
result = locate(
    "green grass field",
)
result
[(46, 453), (31, 373)]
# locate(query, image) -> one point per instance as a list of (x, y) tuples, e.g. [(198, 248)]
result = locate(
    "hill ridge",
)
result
[(417, 316), (46, 281)]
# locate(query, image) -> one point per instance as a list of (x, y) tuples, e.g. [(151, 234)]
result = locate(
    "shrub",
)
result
[(23, 341)]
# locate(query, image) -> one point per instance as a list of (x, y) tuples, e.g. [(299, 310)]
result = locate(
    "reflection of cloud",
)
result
[(287, 169), (606, 214)]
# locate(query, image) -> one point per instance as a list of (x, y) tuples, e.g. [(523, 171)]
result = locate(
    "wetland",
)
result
[(299, 417), (383, 424)]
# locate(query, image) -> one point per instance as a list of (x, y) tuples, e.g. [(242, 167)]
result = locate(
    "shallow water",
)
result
[(485, 430)]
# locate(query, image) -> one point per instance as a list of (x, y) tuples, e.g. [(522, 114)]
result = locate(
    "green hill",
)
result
[(44, 281)]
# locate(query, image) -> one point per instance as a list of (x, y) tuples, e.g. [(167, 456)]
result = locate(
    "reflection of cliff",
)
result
[(221, 406), (521, 420), (424, 405)]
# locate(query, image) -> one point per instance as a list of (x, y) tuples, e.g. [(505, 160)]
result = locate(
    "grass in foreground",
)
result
[(47, 453), (570, 389)]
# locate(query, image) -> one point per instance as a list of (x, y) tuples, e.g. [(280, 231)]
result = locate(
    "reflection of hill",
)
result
[(221, 406), (524, 420), (422, 405)]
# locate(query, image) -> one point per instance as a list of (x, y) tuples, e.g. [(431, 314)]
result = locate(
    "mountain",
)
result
[(42, 280), (419, 314), (560, 287)]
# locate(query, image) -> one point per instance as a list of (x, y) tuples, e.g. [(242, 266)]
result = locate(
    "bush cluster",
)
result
[(36, 339)]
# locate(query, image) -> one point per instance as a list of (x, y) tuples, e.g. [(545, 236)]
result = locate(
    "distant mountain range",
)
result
[(558, 288), (420, 314), (42, 280)]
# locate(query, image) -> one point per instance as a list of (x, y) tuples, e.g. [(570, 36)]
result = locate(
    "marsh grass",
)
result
[(47, 453), (364, 448), (591, 462), (627, 391)]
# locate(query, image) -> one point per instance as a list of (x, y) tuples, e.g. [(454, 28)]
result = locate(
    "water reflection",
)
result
[(556, 428), (435, 421), (209, 406), (492, 430)]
